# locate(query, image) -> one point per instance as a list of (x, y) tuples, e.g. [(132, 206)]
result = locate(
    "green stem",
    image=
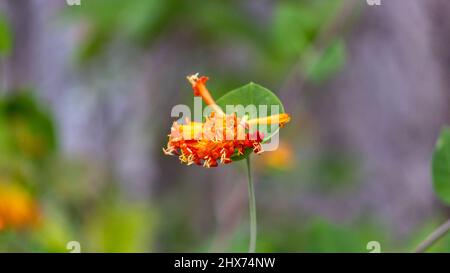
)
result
[(252, 208), (437, 234)]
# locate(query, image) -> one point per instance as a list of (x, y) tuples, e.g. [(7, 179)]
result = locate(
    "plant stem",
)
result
[(252, 208), (433, 237)]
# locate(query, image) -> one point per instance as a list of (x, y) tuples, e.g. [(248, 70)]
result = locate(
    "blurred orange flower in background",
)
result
[(18, 210), (283, 158)]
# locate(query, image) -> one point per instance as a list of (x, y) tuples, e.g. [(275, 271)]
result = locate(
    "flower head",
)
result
[(220, 137), (17, 209)]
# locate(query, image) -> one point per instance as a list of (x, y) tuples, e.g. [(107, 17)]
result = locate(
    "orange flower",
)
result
[(281, 159), (17, 209), (219, 138)]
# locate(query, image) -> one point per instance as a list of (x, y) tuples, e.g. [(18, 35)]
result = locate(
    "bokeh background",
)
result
[(85, 99)]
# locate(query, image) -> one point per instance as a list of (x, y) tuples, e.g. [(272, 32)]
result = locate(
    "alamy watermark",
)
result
[(73, 2), (257, 120), (373, 2), (73, 247), (373, 247)]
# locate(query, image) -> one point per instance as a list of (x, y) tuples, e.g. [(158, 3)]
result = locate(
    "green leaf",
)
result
[(252, 94), (5, 37), (327, 64), (297, 24), (441, 166)]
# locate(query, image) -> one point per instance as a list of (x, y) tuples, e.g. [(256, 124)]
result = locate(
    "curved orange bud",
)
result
[(199, 86)]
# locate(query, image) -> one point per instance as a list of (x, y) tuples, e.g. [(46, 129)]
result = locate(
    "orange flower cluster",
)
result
[(219, 137), (209, 143), (17, 209)]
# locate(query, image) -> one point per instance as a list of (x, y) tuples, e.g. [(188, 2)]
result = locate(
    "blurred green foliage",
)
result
[(280, 42), (315, 235), (6, 39), (25, 128), (335, 171), (121, 227), (75, 204), (328, 63), (441, 166)]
